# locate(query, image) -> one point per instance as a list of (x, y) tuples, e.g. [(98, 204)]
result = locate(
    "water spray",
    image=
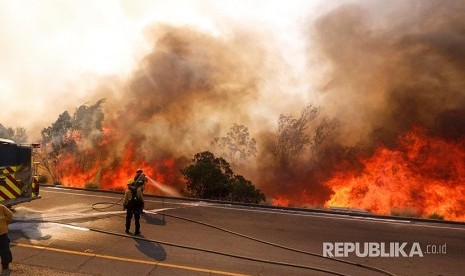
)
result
[(163, 188)]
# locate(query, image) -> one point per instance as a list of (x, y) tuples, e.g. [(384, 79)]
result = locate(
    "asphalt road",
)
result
[(63, 233)]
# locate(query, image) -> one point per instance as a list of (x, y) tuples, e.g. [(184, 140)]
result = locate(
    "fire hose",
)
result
[(283, 246), (192, 248), (111, 204), (372, 268)]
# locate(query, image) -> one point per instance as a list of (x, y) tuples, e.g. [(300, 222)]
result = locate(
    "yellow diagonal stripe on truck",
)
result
[(6, 192), (9, 169), (13, 186)]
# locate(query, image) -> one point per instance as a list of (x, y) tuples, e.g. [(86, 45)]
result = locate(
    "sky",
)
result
[(55, 53)]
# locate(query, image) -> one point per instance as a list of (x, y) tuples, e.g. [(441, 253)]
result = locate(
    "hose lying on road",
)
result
[(108, 204), (368, 267), (372, 268), (193, 248)]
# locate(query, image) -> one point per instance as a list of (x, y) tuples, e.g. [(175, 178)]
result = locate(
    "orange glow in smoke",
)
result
[(423, 174)]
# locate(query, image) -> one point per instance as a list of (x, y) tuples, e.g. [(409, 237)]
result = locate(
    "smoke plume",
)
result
[(189, 85), (393, 67)]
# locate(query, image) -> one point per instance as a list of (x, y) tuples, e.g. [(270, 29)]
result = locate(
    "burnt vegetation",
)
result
[(72, 135)]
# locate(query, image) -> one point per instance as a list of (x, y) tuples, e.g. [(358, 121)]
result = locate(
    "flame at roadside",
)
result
[(394, 84), (423, 173), (104, 167), (280, 201)]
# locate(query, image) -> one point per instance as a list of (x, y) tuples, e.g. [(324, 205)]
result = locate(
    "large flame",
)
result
[(280, 200), (105, 168), (423, 173)]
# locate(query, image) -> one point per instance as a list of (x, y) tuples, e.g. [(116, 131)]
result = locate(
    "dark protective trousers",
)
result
[(129, 214), (5, 251)]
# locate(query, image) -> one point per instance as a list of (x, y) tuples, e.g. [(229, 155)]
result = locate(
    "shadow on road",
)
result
[(29, 227), (150, 249), (153, 219)]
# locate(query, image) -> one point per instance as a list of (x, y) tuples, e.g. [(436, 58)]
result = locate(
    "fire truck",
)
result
[(19, 181)]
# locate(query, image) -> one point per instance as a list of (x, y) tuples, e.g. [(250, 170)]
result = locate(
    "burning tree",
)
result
[(321, 133), (294, 170), (237, 144), (55, 140), (88, 122), (211, 177), (292, 137), (71, 136)]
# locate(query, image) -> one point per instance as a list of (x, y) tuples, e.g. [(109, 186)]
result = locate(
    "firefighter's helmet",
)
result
[(139, 170), (130, 181)]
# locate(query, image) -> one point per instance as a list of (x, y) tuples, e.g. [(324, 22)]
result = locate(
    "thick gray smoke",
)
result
[(189, 85), (188, 89), (394, 65)]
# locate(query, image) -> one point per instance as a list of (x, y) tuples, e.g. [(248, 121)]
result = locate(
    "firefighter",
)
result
[(5, 217), (140, 179), (133, 203)]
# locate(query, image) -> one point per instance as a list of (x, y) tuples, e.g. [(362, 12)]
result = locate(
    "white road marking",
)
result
[(74, 227)]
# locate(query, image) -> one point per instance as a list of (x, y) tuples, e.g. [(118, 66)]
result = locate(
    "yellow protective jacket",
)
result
[(6, 215), (127, 196)]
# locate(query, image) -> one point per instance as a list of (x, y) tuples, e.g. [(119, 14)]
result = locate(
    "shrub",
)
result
[(211, 177), (405, 212), (91, 185), (436, 216)]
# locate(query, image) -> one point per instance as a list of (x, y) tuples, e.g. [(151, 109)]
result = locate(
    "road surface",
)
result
[(61, 231)]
